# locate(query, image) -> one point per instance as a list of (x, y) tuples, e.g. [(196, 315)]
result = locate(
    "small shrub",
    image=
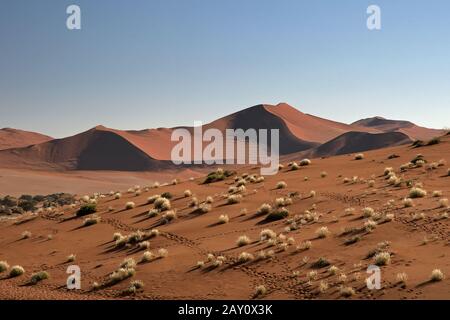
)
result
[(209, 199), (437, 275), (320, 263), (305, 162), (91, 221), (147, 256), (408, 202), (347, 291), (260, 291), (26, 235), (437, 194), (16, 271), (169, 216), (152, 199), (323, 174), (443, 203), (163, 253), (71, 258), (417, 192), (234, 198), (128, 263), (166, 195), (402, 277), (267, 234), (433, 141), (245, 257), (368, 212), (382, 258), (39, 276), (86, 209), (130, 205), (117, 196), (322, 232), (3, 266), (312, 193), (278, 214), (224, 219), (162, 204), (243, 241), (281, 185), (359, 156), (264, 209)]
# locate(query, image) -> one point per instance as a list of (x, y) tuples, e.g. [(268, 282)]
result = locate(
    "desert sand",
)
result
[(415, 239)]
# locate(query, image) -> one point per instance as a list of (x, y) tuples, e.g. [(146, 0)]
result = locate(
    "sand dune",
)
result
[(14, 138), (413, 131), (104, 148)]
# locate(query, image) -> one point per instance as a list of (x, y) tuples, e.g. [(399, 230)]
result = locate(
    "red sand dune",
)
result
[(413, 131), (14, 138), (103, 148)]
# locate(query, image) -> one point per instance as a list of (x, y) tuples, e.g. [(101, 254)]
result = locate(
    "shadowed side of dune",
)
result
[(257, 117), (352, 142)]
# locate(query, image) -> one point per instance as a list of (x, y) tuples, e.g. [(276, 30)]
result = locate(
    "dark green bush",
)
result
[(87, 209)]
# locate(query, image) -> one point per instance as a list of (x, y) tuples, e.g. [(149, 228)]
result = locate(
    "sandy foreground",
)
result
[(417, 243)]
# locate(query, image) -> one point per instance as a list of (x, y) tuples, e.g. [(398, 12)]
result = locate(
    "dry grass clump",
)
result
[(209, 199), (264, 209), (134, 287), (437, 193), (163, 253), (312, 194), (26, 235), (323, 174), (333, 270), (382, 258), (223, 218), (187, 193), (437, 275), (401, 277), (305, 245), (448, 172), (370, 225), (408, 202), (283, 202), (371, 183), (71, 258), (144, 245), (320, 263), (152, 199), (281, 185), (169, 216), (260, 291), (91, 221), (147, 256), (322, 232), (234, 198), (267, 234), (278, 214), (120, 275), (162, 204), (130, 205), (3, 266), (39, 276), (323, 286), (417, 192), (359, 156), (295, 166), (305, 162), (16, 271), (443, 203), (153, 213), (368, 212), (347, 291), (243, 241), (245, 257)]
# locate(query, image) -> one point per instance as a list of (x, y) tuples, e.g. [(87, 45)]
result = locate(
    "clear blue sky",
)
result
[(149, 63)]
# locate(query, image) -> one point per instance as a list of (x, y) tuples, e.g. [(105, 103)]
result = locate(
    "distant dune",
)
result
[(102, 148), (14, 138)]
